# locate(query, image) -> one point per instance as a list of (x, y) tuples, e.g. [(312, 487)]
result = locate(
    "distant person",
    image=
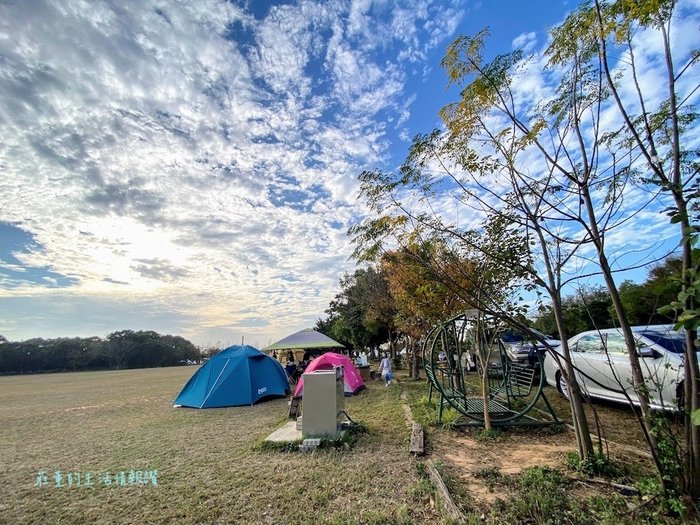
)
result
[(290, 357), (442, 356), (385, 370), (358, 359)]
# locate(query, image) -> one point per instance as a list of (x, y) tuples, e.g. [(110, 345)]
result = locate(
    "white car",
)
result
[(602, 366)]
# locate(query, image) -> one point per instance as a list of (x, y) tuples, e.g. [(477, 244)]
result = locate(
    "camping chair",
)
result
[(291, 370), (298, 373)]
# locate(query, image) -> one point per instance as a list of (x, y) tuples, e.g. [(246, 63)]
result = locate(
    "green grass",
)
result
[(209, 467), (539, 494)]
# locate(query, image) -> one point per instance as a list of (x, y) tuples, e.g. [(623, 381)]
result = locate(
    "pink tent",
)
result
[(353, 381)]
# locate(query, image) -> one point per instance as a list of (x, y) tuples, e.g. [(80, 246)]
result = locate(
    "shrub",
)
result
[(449, 417), (491, 435), (596, 465)]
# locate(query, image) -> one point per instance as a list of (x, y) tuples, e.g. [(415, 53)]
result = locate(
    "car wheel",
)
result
[(562, 385)]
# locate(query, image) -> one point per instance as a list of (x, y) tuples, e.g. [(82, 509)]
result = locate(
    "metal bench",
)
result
[(513, 388)]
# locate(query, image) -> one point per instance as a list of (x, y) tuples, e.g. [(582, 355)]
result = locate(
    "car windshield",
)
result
[(671, 340), (511, 337), (514, 336)]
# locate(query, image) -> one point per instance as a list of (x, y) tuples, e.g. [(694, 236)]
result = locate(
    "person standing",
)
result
[(385, 369), (358, 359)]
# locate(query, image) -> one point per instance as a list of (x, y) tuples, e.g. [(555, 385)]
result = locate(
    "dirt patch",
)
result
[(549, 455), (475, 462)]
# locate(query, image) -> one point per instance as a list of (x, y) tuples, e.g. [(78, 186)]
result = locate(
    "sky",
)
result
[(191, 167)]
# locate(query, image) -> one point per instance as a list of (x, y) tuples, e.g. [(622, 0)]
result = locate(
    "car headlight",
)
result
[(519, 349)]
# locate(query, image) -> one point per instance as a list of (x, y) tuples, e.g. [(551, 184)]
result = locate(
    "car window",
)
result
[(511, 337), (516, 336), (615, 344), (672, 341), (589, 344)]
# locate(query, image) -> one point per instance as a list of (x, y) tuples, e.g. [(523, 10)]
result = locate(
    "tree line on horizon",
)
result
[(393, 302), (118, 350)]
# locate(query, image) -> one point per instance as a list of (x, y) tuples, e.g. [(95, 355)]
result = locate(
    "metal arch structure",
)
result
[(513, 388)]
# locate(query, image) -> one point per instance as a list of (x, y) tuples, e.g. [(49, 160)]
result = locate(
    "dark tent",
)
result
[(239, 375)]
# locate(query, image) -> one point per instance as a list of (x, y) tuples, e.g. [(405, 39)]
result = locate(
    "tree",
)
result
[(421, 299), (443, 259), (561, 169), (124, 349), (210, 351), (476, 165), (564, 204), (584, 167), (587, 309), (643, 301), (119, 345), (590, 308), (651, 128), (380, 308), (357, 316)]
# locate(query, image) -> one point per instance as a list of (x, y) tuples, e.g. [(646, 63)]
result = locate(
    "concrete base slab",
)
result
[(285, 434)]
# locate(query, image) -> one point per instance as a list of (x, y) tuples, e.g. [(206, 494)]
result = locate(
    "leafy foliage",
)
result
[(593, 465), (591, 308), (548, 182), (361, 315)]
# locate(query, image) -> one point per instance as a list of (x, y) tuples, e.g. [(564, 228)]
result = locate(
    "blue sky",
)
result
[(191, 167)]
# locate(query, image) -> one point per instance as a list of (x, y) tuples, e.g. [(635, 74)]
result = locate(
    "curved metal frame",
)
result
[(509, 379)]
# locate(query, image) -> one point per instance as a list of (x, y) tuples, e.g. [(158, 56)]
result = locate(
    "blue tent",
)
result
[(239, 375)]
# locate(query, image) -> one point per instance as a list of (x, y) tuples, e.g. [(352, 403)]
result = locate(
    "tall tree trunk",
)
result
[(485, 395), (578, 414), (690, 385), (691, 396), (667, 478), (675, 182), (484, 376), (392, 349), (415, 360)]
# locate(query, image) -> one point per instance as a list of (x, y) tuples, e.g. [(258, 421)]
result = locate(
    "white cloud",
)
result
[(525, 41), (190, 159), (189, 168)]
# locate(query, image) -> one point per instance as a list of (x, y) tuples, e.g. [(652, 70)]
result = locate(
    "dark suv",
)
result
[(521, 347)]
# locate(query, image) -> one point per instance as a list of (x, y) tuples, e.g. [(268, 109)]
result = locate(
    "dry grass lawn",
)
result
[(209, 469)]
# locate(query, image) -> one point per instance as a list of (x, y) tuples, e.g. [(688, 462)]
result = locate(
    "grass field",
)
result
[(210, 466), (209, 469)]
